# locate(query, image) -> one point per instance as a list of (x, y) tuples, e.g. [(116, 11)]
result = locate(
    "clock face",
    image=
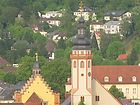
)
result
[(89, 74)]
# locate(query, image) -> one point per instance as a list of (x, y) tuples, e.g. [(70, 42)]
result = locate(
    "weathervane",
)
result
[(81, 7), (36, 56)]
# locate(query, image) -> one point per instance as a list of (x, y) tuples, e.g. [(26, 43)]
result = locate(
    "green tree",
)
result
[(97, 57), (105, 40), (127, 28), (57, 73), (81, 103), (115, 92), (24, 70), (115, 49), (46, 26), (2, 74), (133, 57), (61, 43), (10, 78)]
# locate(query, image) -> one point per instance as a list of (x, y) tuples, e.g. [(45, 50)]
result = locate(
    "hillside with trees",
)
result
[(19, 43)]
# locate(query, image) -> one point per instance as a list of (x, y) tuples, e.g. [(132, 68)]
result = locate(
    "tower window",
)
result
[(88, 64), (82, 64), (97, 98), (74, 64), (82, 98)]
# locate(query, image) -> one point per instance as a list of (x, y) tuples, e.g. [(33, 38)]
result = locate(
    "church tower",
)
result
[(81, 66)]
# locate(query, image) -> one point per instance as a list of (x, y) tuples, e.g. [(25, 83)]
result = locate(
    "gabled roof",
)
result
[(115, 13), (110, 23), (3, 61), (126, 102), (113, 72), (122, 57), (51, 46), (34, 99), (11, 104)]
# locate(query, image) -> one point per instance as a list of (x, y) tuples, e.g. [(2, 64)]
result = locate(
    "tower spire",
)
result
[(81, 7), (36, 69), (36, 57)]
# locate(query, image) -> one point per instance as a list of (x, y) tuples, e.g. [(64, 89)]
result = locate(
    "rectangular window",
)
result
[(97, 98), (134, 90), (127, 90), (120, 89)]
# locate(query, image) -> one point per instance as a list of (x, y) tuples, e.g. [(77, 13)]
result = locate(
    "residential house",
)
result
[(51, 46), (6, 66), (51, 21), (112, 27), (117, 15), (56, 36), (87, 13), (37, 28), (126, 78), (96, 26), (50, 14)]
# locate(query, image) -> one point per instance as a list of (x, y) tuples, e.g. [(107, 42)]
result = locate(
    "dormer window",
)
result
[(106, 79), (134, 79), (120, 79)]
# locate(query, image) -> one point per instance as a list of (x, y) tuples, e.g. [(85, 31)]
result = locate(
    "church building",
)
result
[(36, 91), (90, 84), (83, 86)]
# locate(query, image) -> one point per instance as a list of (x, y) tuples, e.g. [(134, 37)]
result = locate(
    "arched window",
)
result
[(120, 79), (134, 79), (82, 99), (106, 79), (74, 64), (82, 64), (88, 64)]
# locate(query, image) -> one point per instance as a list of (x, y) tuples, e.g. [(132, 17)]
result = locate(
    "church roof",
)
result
[(113, 72), (33, 100), (11, 104), (81, 42)]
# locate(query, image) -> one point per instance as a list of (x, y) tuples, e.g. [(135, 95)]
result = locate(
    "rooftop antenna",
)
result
[(36, 57)]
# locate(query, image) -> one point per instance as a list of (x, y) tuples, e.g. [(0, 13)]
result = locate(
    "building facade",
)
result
[(83, 87), (36, 91)]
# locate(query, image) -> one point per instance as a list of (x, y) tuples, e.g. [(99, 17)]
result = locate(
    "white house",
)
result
[(96, 26), (51, 14), (126, 78), (117, 15), (112, 27), (87, 13)]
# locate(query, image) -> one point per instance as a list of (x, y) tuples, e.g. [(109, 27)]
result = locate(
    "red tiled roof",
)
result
[(3, 61), (126, 102), (127, 72), (33, 100), (122, 57)]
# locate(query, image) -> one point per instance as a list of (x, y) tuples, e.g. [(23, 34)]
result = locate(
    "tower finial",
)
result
[(36, 57), (81, 7)]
